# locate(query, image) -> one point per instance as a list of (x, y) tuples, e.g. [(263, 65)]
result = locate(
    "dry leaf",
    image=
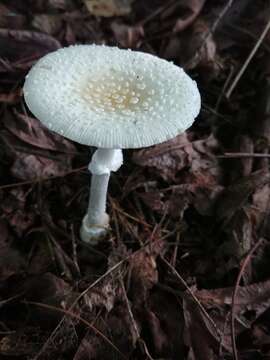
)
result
[(16, 45), (254, 297), (235, 196), (108, 8), (191, 9), (11, 98), (47, 23), (179, 153), (198, 48), (31, 167), (32, 132), (200, 335), (128, 36)]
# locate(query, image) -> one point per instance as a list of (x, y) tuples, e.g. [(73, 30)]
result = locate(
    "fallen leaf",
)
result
[(32, 167), (47, 23), (190, 9), (47, 289), (143, 271), (12, 262), (128, 36), (102, 296), (108, 8), (59, 4), (16, 45), (32, 132), (12, 97), (15, 210), (9, 18), (235, 196), (198, 49), (21, 343), (165, 323), (117, 328), (180, 153), (255, 297), (200, 335)]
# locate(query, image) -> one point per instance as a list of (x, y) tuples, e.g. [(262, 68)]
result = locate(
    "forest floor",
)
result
[(184, 272)]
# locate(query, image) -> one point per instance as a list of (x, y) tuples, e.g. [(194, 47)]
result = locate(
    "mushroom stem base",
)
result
[(95, 224), (93, 234)]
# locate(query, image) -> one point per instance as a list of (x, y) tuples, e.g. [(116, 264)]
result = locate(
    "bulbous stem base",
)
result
[(95, 224), (93, 234)]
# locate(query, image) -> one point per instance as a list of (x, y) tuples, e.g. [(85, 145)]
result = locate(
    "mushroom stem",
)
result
[(96, 222)]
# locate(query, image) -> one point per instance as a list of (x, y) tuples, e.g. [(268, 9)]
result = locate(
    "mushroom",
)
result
[(112, 99)]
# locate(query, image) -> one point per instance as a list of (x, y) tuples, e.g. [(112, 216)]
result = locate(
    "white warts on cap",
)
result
[(111, 98)]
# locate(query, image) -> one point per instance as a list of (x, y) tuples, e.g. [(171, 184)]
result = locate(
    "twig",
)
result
[(121, 211), (239, 277), (109, 271), (174, 255), (133, 321), (249, 58), (116, 223), (224, 87), (156, 13), (248, 33), (230, 155), (179, 277), (77, 317), (82, 294), (35, 181), (213, 27), (226, 323), (74, 250)]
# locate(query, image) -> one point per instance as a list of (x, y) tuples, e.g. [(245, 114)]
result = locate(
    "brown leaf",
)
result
[(10, 18), (16, 45), (32, 132), (168, 157), (200, 335), (59, 4), (236, 195), (14, 207), (21, 220), (41, 260), (47, 23), (116, 328), (108, 8), (28, 163), (128, 36), (31, 167), (260, 210), (165, 322), (179, 153), (197, 183), (198, 48), (11, 260), (103, 296), (255, 297), (153, 199), (191, 9), (144, 272), (21, 343), (47, 289), (12, 97)]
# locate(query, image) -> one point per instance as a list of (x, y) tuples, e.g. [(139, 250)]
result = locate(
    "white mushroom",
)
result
[(112, 99)]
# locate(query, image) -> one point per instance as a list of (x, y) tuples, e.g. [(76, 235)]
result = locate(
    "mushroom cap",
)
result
[(111, 98)]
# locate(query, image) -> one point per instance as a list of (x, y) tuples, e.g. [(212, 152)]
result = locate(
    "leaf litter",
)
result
[(199, 201)]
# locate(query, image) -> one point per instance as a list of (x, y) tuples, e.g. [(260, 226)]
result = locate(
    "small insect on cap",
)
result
[(111, 98)]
